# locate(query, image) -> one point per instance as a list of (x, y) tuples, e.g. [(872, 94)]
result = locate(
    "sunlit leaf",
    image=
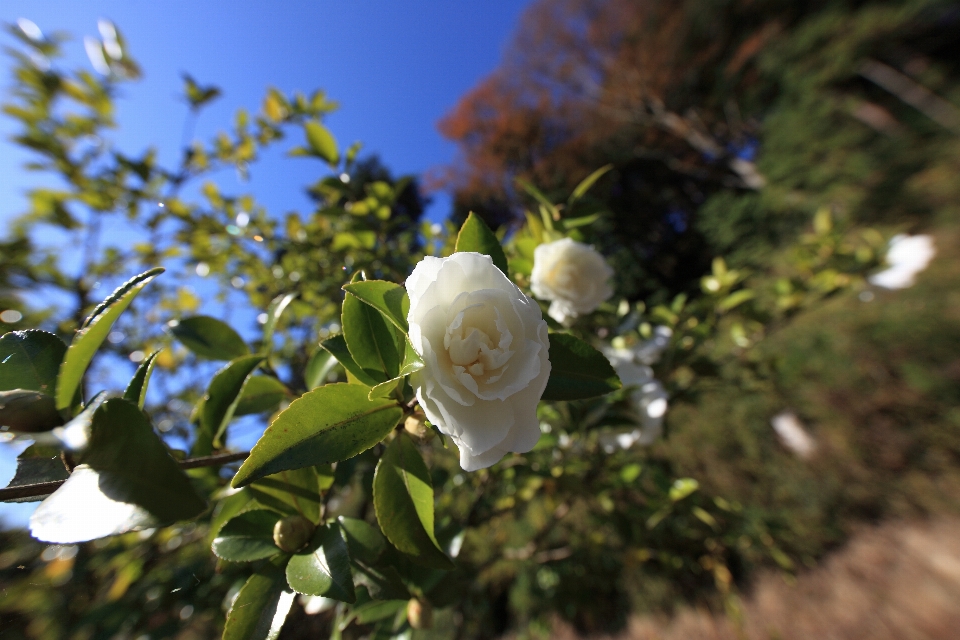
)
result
[(386, 297), (331, 423), (247, 537), (92, 334), (274, 311), (261, 394), (323, 568), (137, 387), (30, 360), (262, 605), (319, 366), (321, 141), (403, 499), (337, 347), (372, 341), (221, 400), (476, 236), (209, 338)]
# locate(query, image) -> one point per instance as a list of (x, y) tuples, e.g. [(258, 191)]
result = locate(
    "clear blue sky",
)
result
[(395, 67)]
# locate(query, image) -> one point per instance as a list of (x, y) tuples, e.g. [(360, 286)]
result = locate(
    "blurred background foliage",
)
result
[(762, 153)]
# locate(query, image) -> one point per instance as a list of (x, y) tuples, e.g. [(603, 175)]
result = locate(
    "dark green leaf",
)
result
[(260, 394), (386, 297), (262, 605), (403, 499), (381, 580), (331, 423), (476, 236), (222, 397), (28, 411), (372, 341), (125, 476), (38, 463), (92, 334), (378, 610), (274, 311), (30, 360), (323, 568), (296, 491), (364, 541), (577, 370), (321, 141), (209, 338), (337, 347), (319, 367), (137, 388), (226, 508), (247, 537)]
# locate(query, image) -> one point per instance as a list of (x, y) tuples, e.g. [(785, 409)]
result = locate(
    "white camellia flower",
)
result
[(573, 275), (648, 400), (485, 350), (907, 256)]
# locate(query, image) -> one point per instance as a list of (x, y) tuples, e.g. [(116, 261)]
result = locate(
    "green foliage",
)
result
[(209, 338), (323, 568), (577, 370), (476, 236)]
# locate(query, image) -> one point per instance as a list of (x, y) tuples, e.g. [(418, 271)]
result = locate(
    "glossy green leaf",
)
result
[(323, 568), (125, 476), (372, 341), (209, 338), (274, 311), (385, 389), (364, 541), (331, 423), (247, 537), (92, 334), (292, 492), (26, 411), (37, 463), (386, 297), (412, 362), (221, 399), (319, 366), (30, 360), (403, 499), (476, 236), (137, 387), (577, 370), (683, 487), (337, 347), (262, 605), (261, 394), (322, 142)]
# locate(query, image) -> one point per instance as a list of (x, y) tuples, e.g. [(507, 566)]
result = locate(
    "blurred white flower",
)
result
[(312, 605), (792, 434), (907, 256), (648, 401), (573, 275), (485, 350)]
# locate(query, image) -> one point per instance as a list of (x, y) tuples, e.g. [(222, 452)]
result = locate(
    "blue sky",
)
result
[(395, 66)]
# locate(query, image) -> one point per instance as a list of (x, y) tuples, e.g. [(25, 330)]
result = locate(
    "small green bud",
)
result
[(292, 533)]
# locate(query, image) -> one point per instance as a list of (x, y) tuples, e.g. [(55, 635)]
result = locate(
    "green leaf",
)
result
[(26, 411), (476, 236), (337, 347), (412, 362), (384, 389), (364, 541), (320, 365), (403, 499), (581, 189), (125, 476), (377, 610), (331, 423), (323, 568), (37, 463), (386, 297), (137, 388), (261, 394), (734, 300), (683, 487), (321, 141), (274, 311), (372, 342), (222, 398), (92, 334), (539, 197), (293, 492), (262, 605), (247, 537), (577, 370), (30, 360), (209, 338)]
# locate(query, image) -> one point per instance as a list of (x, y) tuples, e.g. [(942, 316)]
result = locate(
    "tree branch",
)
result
[(46, 488)]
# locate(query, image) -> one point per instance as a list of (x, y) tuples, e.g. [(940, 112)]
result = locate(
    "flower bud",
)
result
[(419, 614), (292, 533)]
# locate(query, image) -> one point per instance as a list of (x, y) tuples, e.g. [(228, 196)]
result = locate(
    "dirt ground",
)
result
[(900, 581)]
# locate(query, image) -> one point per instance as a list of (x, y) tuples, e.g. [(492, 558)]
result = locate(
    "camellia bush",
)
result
[(449, 417)]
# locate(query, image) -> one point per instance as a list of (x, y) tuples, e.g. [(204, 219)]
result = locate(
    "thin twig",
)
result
[(46, 488)]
